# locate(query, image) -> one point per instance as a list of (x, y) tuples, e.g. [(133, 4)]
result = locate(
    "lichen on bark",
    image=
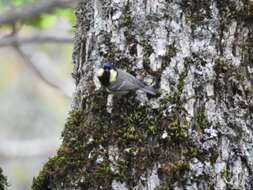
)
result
[(196, 133)]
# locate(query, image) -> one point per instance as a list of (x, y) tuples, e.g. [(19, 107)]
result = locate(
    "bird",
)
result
[(117, 81)]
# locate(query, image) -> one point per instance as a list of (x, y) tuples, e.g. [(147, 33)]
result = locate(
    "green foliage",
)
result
[(47, 20), (67, 13), (3, 180), (44, 20), (21, 2), (4, 3)]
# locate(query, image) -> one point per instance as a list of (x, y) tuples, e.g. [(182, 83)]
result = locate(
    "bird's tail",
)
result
[(149, 90)]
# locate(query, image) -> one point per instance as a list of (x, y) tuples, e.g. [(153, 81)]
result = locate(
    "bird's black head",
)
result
[(107, 66), (104, 74)]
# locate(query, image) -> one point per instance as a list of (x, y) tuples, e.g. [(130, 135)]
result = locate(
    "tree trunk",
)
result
[(195, 134)]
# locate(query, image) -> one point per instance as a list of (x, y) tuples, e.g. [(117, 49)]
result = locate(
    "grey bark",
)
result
[(198, 55)]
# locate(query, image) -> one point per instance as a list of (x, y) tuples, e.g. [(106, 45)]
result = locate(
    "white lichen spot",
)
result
[(237, 179), (229, 37), (154, 64), (189, 94), (167, 76), (189, 107), (99, 22), (116, 185), (116, 15), (139, 58), (197, 167), (153, 180), (118, 38), (225, 148), (219, 167), (164, 135), (90, 155), (210, 112), (109, 104), (113, 153), (90, 140), (131, 151), (158, 43), (99, 159), (97, 83), (212, 133), (149, 180), (250, 69), (209, 90)]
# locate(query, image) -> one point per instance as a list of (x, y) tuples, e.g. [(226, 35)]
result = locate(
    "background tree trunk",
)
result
[(196, 133)]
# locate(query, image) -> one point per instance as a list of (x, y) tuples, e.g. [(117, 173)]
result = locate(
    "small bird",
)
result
[(117, 81)]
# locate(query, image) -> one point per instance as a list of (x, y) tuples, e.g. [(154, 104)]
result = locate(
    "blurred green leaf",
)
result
[(10, 3), (20, 2), (47, 20), (42, 21), (68, 13)]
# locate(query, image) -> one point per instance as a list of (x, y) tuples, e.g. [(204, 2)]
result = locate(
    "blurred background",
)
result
[(36, 41)]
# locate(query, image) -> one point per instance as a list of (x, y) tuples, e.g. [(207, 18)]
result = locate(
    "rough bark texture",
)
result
[(196, 133)]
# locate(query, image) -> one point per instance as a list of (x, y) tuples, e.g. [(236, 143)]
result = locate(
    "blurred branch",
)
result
[(12, 40), (47, 79), (11, 149), (32, 10)]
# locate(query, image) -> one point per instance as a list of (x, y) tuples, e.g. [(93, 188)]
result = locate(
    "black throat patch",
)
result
[(105, 78)]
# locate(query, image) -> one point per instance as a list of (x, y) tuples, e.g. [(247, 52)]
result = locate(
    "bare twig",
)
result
[(12, 40), (32, 10), (65, 91)]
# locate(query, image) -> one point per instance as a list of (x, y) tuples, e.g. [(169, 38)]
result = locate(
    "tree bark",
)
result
[(195, 134)]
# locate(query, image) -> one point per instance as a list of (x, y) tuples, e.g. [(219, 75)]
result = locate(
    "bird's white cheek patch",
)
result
[(113, 75), (100, 72)]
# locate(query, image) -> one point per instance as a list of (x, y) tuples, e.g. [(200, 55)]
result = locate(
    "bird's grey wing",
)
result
[(139, 85), (123, 85), (126, 82), (132, 79)]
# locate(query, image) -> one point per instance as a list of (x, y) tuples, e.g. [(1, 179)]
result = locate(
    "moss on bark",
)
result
[(84, 159), (124, 145)]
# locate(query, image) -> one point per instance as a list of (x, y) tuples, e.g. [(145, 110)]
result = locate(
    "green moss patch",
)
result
[(84, 160)]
